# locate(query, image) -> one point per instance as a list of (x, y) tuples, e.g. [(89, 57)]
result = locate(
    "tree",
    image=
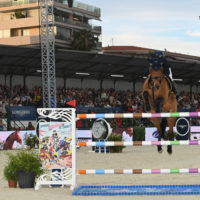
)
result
[(84, 40), (70, 3)]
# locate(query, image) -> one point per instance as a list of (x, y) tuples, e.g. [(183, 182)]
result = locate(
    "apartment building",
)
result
[(20, 22)]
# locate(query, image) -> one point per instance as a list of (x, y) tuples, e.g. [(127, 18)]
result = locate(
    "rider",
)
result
[(158, 60)]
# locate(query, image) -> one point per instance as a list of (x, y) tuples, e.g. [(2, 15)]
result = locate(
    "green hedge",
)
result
[(138, 133), (115, 137)]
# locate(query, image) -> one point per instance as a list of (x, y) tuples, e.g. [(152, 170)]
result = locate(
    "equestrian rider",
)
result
[(158, 60)]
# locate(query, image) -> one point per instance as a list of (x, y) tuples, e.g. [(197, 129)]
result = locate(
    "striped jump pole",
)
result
[(138, 115), (139, 171), (139, 143)]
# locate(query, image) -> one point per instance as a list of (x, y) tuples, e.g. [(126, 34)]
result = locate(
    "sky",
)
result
[(171, 25)]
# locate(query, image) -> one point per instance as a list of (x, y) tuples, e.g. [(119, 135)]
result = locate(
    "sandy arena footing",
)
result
[(145, 157)]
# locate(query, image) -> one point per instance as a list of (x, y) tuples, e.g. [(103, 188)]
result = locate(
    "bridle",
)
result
[(153, 86), (159, 78), (152, 79)]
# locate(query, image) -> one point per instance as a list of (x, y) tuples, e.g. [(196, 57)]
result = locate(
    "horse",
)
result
[(11, 139), (158, 97)]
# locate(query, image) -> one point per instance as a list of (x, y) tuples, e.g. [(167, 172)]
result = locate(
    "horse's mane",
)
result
[(8, 138)]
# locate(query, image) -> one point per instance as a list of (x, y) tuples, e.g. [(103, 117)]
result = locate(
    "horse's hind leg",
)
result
[(156, 123), (163, 127), (146, 100), (159, 147), (171, 122)]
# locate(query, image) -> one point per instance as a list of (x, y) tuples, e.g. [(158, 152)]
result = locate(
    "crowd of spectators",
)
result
[(105, 98), (19, 96)]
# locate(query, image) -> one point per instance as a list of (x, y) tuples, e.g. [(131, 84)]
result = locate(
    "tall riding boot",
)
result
[(173, 85), (174, 88)]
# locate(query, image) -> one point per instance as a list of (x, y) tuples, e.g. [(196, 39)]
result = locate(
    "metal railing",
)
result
[(83, 6), (76, 23), (16, 3)]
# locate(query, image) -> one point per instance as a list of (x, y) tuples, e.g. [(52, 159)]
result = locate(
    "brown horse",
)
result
[(11, 139), (158, 97)]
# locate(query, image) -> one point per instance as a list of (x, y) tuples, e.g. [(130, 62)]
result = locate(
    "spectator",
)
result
[(127, 135), (1, 125), (30, 126)]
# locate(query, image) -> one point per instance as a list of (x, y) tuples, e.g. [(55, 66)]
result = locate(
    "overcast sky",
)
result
[(158, 24)]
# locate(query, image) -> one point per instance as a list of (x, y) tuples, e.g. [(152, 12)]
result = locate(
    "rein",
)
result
[(160, 78)]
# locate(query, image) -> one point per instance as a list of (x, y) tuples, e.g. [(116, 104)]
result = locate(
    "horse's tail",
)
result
[(163, 125)]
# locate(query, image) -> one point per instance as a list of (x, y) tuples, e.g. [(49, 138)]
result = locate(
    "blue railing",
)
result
[(82, 109)]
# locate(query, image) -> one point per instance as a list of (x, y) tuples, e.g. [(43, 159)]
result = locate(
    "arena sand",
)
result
[(131, 158)]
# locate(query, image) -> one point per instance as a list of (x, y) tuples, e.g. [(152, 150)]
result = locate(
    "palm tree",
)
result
[(84, 40), (70, 3)]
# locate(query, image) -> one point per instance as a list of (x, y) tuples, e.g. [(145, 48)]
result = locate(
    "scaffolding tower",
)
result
[(47, 40)]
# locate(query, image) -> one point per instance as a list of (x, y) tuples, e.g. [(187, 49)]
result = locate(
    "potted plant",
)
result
[(28, 168), (20, 14), (31, 141), (116, 137), (10, 173)]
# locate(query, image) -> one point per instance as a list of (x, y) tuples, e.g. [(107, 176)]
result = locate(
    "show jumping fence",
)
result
[(69, 115), (139, 143)]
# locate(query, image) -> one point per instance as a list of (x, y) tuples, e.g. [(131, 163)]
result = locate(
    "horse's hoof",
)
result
[(160, 151), (159, 148), (169, 150)]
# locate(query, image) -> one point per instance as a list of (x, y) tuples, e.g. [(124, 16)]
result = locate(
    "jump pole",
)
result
[(139, 171), (139, 143), (138, 115)]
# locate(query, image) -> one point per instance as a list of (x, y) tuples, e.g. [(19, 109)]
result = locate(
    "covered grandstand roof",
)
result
[(133, 64)]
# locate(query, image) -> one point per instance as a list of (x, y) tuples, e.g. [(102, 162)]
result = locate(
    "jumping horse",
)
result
[(158, 97), (11, 139)]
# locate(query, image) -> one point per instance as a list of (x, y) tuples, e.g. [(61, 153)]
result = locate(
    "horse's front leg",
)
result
[(171, 123), (146, 101), (158, 104), (156, 123)]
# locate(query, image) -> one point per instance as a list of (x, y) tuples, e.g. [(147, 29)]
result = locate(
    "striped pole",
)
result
[(139, 143), (138, 115), (139, 171)]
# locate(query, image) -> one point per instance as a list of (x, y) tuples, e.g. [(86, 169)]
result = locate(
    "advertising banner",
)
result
[(151, 134), (13, 139), (22, 113), (55, 148)]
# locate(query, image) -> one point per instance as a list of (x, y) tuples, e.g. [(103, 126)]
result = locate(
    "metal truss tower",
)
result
[(47, 38)]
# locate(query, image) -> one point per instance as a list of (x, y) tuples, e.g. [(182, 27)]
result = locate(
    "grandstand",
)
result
[(111, 79)]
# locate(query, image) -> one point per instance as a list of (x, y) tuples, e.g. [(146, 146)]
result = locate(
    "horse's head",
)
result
[(16, 137), (156, 77), (11, 139)]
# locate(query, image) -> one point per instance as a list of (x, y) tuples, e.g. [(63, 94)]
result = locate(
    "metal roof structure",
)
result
[(26, 61)]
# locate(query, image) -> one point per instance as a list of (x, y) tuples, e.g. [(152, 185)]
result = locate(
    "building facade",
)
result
[(20, 22)]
